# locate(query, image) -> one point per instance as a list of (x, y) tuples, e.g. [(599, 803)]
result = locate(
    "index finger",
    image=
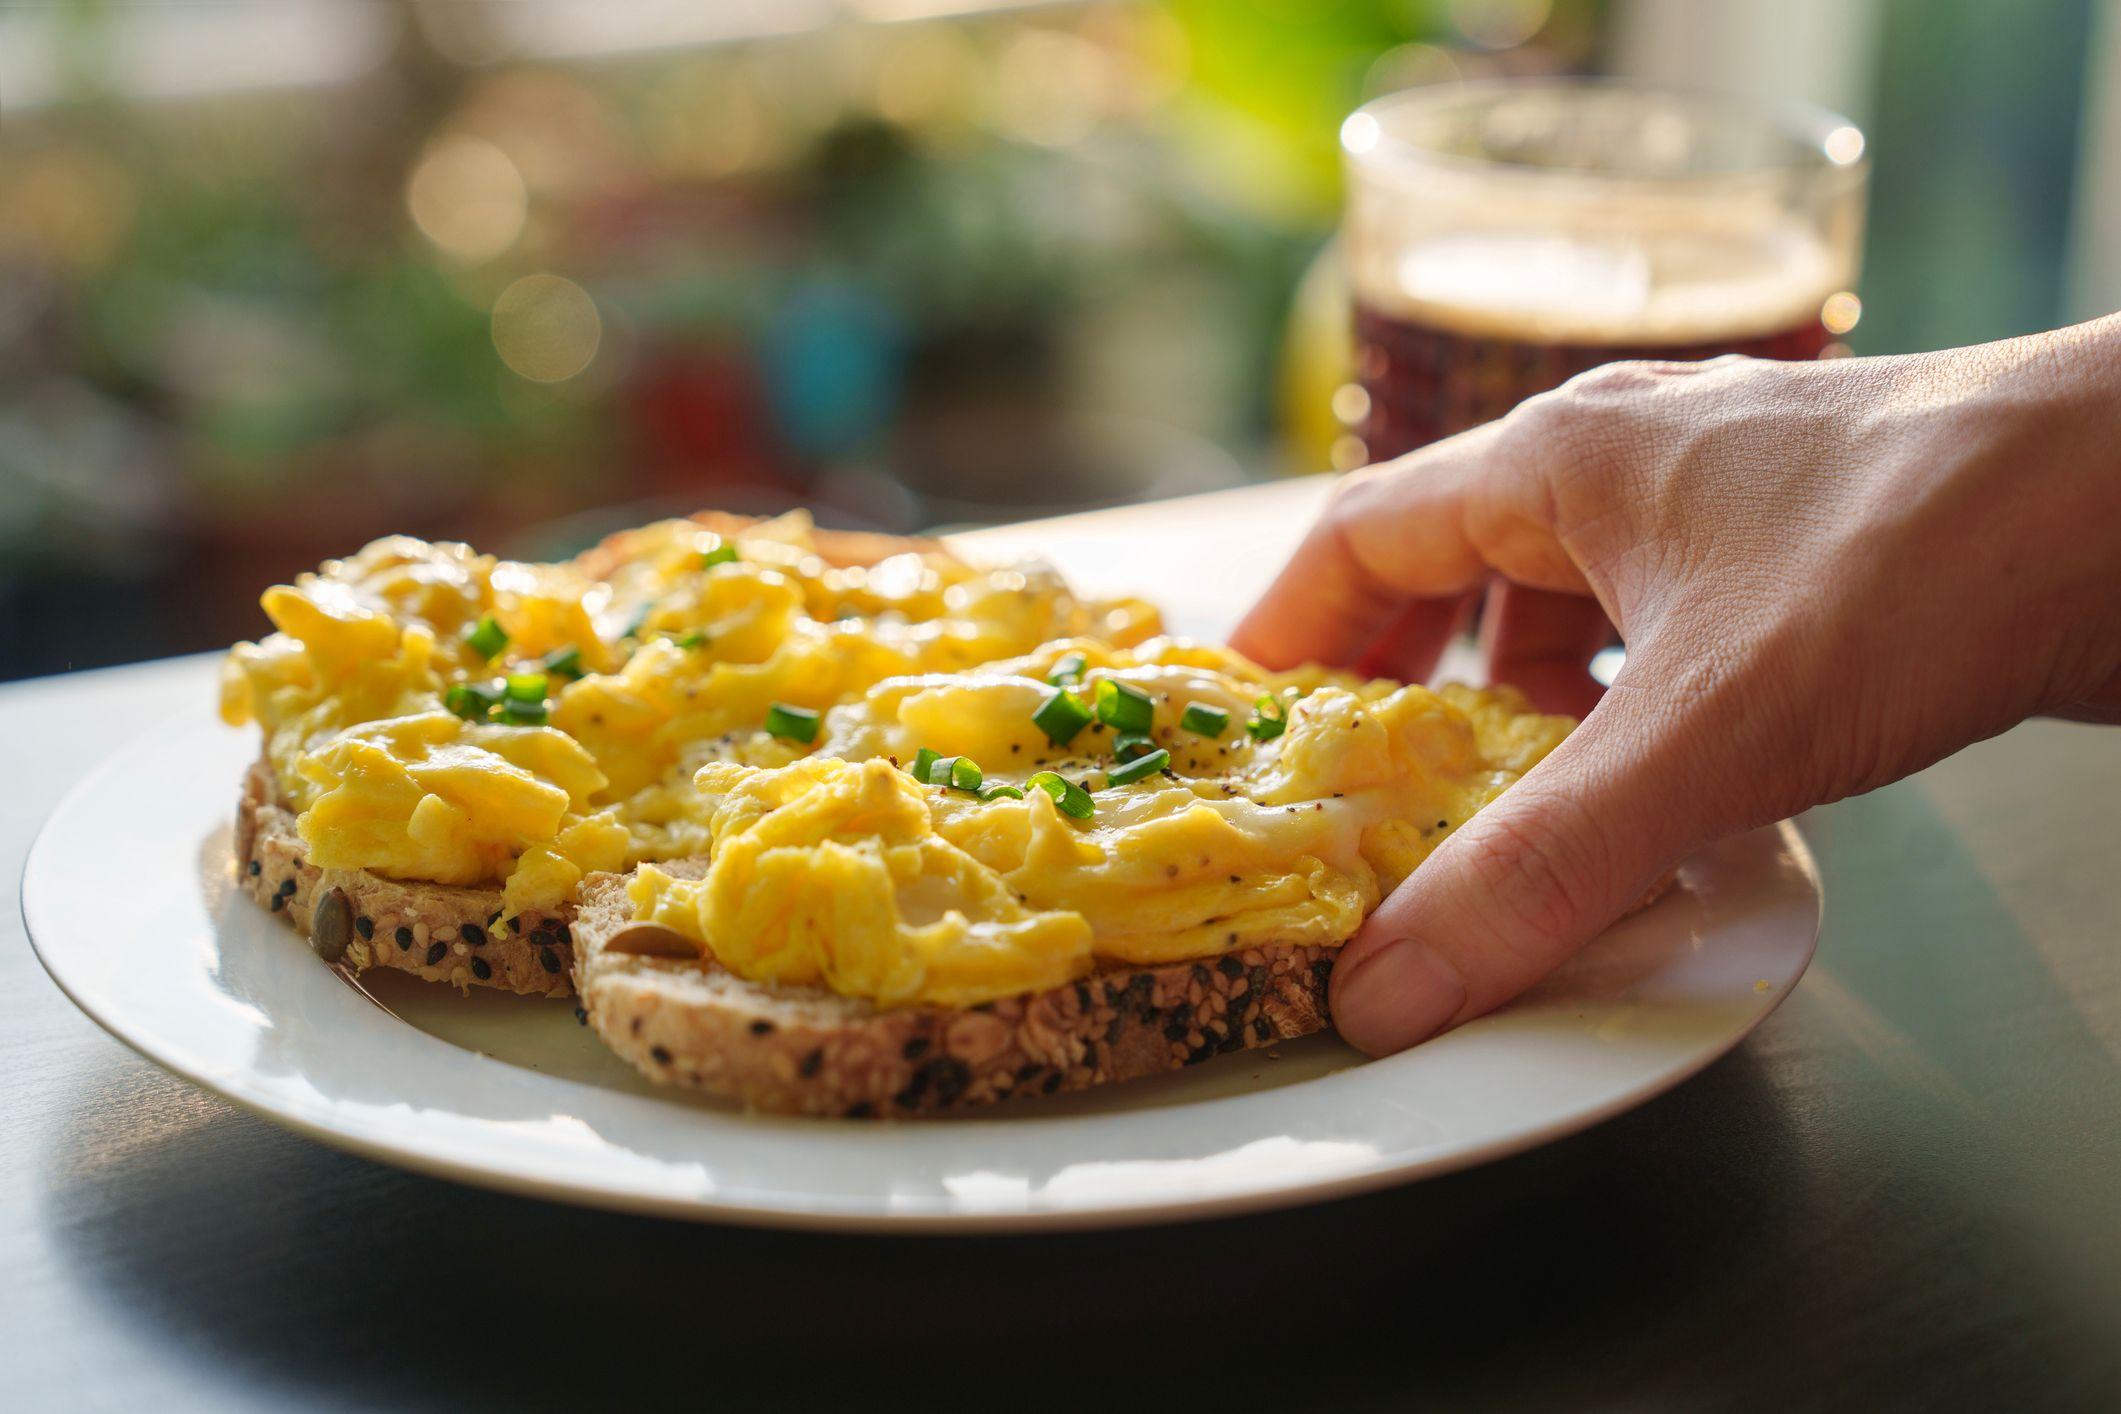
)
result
[(1390, 534)]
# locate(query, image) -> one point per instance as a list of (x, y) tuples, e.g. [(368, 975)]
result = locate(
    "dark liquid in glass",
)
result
[(1425, 382)]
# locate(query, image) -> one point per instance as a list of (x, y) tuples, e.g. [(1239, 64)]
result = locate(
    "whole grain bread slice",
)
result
[(687, 1022), (445, 933), (359, 920)]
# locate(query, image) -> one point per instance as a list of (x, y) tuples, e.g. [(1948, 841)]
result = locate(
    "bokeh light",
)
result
[(1840, 312), (1843, 145), (546, 328), (467, 197)]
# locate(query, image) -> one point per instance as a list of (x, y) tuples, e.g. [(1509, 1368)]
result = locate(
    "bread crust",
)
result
[(808, 1051)]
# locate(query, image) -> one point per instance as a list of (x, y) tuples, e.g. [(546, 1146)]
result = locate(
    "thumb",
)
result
[(1530, 879)]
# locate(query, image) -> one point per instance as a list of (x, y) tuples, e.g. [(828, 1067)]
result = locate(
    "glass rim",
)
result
[(1812, 127)]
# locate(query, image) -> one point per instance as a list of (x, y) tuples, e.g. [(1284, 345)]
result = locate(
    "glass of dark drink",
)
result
[(1502, 237)]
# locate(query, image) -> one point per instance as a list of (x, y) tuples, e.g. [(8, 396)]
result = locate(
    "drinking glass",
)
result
[(1501, 237)]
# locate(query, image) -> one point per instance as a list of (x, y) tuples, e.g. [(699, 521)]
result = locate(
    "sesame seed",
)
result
[(404, 937), (762, 1027), (256, 869), (661, 1054), (475, 935), (366, 927), (436, 953), (549, 960), (447, 932), (479, 969)]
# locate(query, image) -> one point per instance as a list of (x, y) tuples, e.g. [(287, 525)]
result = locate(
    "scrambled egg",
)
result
[(435, 714)]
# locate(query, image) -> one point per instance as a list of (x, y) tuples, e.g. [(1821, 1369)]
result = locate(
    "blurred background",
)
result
[(279, 277)]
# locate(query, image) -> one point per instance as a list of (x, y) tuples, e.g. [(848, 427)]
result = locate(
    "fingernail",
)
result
[(1398, 996)]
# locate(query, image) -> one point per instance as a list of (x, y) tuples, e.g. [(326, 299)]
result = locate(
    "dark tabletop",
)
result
[(1903, 1192)]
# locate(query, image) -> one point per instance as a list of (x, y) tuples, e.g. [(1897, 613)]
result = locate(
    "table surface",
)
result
[(1904, 1191)]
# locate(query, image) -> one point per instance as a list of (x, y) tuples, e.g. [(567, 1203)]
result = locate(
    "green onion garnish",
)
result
[(523, 714), (1072, 799), (690, 639), (486, 637), (472, 701), (965, 774), (1000, 793), (793, 723), (526, 687), (1130, 745), (564, 662), (1140, 766), (1069, 668), (1124, 707), (939, 770), (1203, 720), (924, 765), (1268, 720), (722, 554), (1061, 716)]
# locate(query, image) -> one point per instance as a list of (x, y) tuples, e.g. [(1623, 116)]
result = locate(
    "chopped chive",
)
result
[(722, 554), (526, 687), (1061, 716), (472, 701), (793, 723), (523, 714), (486, 637), (965, 774), (1268, 719), (1140, 766), (564, 662), (1129, 745), (1001, 792), (1203, 720), (1068, 668), (1124, 707), (1072, 799), (691, 639), (924, 765)]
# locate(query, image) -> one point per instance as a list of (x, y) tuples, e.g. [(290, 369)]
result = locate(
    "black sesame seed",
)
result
[(436, 952), (256, 869), (404, 937), (581, 1017), (1053, 1082), (480, 970), (861, 1109), (1082, 996), (661, 1054), (762, 1027), (1230, 967), (472, 933), (915, 1048), (287, 887), (1176, 1030), (1027, 1070), (278, 902), (564, 934), (366, 927), (811, 1062), (493, 918), (548, 959), (1322, 971), (1260, 1029), (1200, 975)]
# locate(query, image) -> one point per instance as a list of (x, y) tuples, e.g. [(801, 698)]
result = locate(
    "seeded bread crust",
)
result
[(360, 920)]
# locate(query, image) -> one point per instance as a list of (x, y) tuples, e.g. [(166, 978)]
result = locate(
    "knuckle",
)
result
[(1537, 882)]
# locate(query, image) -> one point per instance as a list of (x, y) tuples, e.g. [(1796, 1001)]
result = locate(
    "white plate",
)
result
[(129, 899)]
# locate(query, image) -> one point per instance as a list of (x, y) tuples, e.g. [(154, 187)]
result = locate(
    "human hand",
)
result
[(1827, 576)]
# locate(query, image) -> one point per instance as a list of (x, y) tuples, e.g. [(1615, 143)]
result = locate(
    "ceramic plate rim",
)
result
[(410, 1148)]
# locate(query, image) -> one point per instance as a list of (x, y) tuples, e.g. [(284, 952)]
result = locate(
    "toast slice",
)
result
[(684, 1021), (790, 1050), (358, 920), (443, 933)]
